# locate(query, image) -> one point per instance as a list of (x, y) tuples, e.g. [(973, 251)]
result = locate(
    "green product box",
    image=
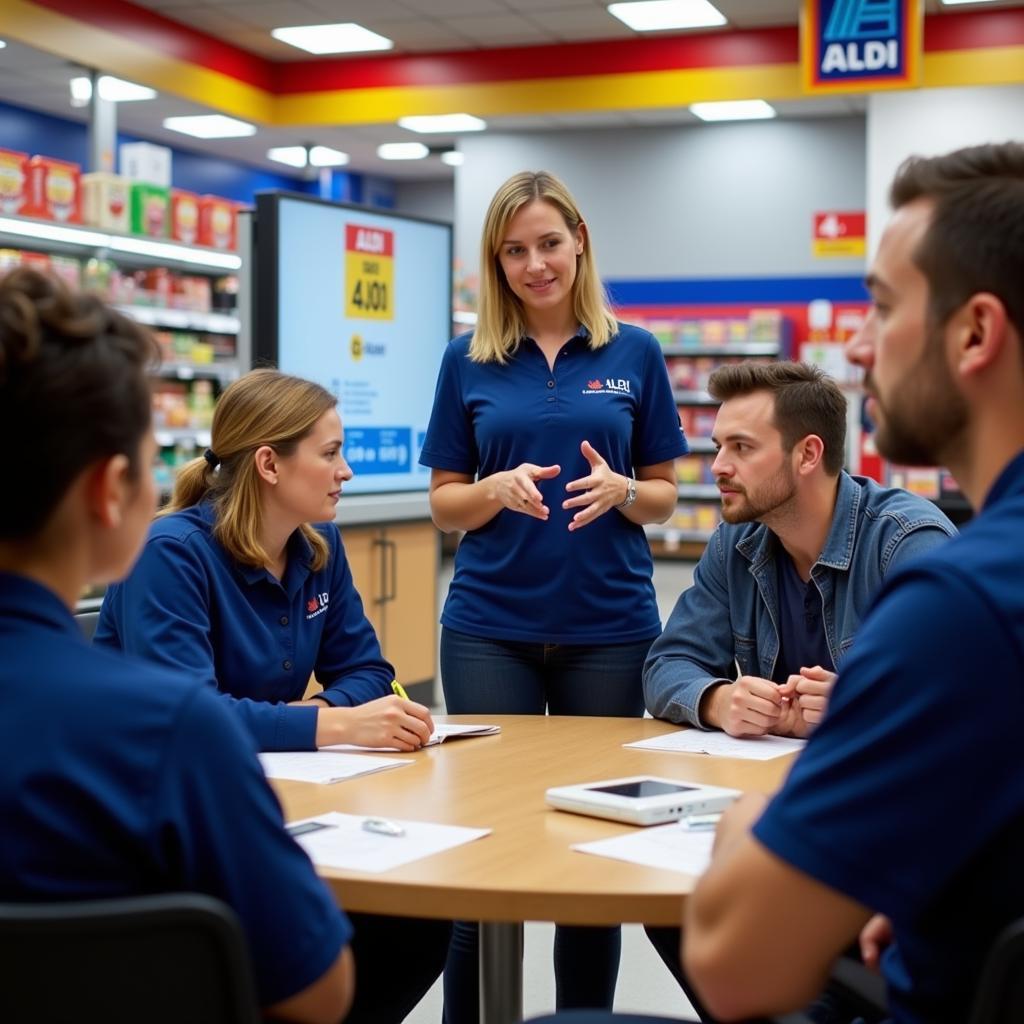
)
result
[(150, 210)]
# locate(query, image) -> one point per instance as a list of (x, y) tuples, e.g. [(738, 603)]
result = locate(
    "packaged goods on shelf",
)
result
[(13, 181), (695, 469), (170, 404), (200, 404), (150, 209), (105, 201), (225, 293), (54, 190), (184, 216), (142, 161), (218, 222)]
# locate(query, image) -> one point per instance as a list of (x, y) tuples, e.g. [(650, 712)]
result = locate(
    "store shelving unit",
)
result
[(184, 363)]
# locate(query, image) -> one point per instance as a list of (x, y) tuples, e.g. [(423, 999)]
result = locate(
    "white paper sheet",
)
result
[(720, 744), (442, 731), (324, 766), (663, 846), (345, 844)]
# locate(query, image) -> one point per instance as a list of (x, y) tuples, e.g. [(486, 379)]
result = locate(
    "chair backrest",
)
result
[(999, 998), (174, 958), (87, 623)]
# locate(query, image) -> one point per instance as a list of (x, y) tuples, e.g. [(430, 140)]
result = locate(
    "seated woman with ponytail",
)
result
[(243, 582)]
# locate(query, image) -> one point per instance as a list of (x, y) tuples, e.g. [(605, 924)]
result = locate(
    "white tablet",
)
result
[(641, 799)]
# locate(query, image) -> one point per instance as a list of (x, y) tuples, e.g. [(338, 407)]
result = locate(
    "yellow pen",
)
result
[(399, 689)]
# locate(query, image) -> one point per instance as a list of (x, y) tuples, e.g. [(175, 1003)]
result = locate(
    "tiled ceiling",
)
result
[(39, 81)]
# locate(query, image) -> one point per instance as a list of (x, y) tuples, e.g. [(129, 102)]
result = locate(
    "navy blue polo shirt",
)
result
[(517, 578), (188, 604), (909, 797), (121, 778)]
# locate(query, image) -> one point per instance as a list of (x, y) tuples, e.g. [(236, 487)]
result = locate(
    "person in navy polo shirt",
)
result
[(244, 584), (908, 801), (119, 777), (551, 443)]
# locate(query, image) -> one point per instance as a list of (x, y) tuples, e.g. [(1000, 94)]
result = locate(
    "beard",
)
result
[(769, 497), (924, 415)]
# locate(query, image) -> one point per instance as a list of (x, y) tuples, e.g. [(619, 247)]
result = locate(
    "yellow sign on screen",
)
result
[(369, 273)]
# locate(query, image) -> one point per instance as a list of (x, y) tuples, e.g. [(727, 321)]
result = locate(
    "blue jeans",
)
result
[(510, 677)]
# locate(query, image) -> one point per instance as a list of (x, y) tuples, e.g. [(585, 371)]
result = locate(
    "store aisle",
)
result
[(645, 986)]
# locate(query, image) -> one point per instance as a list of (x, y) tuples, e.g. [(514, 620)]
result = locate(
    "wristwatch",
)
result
[(630, 495)]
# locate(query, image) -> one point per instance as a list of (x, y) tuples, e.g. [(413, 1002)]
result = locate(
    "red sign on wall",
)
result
[(839, 233)]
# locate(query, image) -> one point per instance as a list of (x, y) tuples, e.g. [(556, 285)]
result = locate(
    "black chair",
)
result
[(165, 959)]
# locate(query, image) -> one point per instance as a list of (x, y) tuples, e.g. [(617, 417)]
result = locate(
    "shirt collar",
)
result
[(1009, 482), (24, 598), (296, 570)]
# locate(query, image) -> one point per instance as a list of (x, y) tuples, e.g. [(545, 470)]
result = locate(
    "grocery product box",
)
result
[(218, 222), (54, 190), (142, 161), (105, 201), (150, 207), (13, 181), (184, 216)]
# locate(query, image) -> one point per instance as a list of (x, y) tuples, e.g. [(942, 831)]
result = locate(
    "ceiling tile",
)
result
[(449, 8), (579, 24), (279, 14)]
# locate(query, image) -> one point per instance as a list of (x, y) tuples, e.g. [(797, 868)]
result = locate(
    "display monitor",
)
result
[(358, 300)]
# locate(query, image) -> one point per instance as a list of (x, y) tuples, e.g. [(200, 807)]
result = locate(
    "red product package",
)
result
[(54, 190)]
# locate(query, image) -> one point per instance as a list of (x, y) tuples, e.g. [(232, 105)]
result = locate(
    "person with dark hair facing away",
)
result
[(926, 713), (120, 777), (752, 647), (244, 583)]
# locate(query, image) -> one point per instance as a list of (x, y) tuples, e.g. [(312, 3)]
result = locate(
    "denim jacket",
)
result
[(728, 619)]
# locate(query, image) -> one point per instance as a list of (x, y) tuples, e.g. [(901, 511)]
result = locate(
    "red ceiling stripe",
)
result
[(565, 60), (170, 38), (974, 30)]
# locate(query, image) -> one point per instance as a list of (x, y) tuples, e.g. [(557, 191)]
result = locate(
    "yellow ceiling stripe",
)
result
[(78, 41), (994, 65)]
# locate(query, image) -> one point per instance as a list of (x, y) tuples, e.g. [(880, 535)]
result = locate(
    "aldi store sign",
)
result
[(860, 45)]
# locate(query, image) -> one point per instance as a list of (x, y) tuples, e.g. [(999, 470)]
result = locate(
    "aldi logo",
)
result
[(860, 45)]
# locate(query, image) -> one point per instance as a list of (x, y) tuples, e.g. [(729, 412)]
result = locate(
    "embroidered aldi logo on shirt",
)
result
[(317, 605), (608, 386)]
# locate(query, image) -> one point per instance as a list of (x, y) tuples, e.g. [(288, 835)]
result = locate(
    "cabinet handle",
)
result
[(393, 592), (380, 595)]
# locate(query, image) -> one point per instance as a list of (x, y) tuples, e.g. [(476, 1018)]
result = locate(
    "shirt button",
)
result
[(551, 383), (286, 665), (550, 399), (283, 620)]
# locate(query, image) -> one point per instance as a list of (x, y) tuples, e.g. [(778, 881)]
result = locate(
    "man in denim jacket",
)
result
[(785, 581)]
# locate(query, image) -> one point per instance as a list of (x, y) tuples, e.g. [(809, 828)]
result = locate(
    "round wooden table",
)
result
[(525, 869)]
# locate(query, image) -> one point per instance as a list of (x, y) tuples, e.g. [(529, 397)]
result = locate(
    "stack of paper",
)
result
[(324, 766), (664, 846), (720, 744), (343, 843), (442, 731)]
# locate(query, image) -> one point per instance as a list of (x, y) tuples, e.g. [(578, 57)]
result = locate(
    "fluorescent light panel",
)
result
[(402, 151), (3, 43), (319, 156), (954, 3), (660, 15), (117, 90), (733, 110), (428, 123), (453, 158), (347, 37), (210, 126)]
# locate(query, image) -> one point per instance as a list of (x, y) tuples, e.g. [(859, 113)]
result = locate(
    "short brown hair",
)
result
[(807, 401), (975, 240)]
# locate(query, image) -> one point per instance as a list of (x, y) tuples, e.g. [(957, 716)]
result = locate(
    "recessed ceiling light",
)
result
[(453, 158), (210, 126), (347, 37), (3, 43), (318, 156), (117, 90), (658, 15), (442, 123), (733, 110), (402, 151)]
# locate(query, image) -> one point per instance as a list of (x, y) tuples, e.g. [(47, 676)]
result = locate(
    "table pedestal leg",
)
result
[(501, 972)]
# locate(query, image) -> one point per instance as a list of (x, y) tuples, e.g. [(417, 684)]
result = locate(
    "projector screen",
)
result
[(358, 300)]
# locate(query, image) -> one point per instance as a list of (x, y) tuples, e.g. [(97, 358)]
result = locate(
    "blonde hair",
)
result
[(500, 321), (265, 407)]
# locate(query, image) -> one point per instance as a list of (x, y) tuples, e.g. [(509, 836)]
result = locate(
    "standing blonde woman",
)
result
[(244, 584), (551, 443)]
